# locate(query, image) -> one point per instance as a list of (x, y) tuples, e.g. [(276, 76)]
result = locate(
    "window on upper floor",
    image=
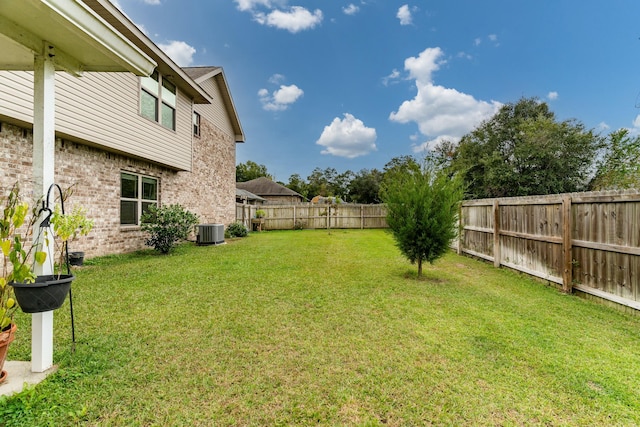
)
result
[(158, 100), (196, 124), (137, 194)]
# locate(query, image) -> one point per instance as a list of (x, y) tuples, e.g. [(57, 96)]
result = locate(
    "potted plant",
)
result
[(46, 292), (14, 229), (258, 221), (19, 285)]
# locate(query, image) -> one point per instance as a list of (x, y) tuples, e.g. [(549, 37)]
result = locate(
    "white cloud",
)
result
[(347, 137), (438, 111), (552, 96), (425, 64), (602, 126), (276, 79), (493, 37), (404, 15), (352, 9), (154, 2), (429, 145), (477, 41), (180, 52), (391, 78), (280, 99), (295, 19), (275, 13), (248, 5)]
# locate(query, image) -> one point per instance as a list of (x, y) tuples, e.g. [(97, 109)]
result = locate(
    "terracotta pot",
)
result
[(6, 337)]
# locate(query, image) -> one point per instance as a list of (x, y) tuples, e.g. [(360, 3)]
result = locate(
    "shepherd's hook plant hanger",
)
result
[(46, 223)]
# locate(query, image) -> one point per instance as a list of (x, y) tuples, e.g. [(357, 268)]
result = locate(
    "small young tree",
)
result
[(167, 225), (422, 208)]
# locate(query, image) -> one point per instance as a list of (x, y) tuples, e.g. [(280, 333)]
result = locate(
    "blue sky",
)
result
[(350, 85)]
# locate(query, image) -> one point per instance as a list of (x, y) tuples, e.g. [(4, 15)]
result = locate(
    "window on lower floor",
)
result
[(137, 194)]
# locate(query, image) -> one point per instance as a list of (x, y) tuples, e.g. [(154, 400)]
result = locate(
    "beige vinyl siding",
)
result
[(102, 109), (16, 95), (215, 112)]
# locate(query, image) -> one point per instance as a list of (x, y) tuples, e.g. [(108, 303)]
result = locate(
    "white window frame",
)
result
[(165, 95), (141, 203), (197, 120)]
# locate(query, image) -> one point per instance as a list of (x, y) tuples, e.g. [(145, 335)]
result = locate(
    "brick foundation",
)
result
[(208, 190)]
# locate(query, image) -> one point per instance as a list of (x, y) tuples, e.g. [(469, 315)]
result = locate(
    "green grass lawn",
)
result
[(310, 327)]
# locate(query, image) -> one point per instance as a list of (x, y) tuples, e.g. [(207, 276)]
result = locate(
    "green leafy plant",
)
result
[(20, 256), (237, 229), (15, 229), (167, 225), (422, 207), (67, 227), (260, 213)]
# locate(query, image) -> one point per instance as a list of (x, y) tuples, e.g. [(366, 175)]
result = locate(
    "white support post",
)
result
[(43, 172)]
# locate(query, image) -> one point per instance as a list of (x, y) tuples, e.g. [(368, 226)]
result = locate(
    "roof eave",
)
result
[(86, 41), (166, 66)]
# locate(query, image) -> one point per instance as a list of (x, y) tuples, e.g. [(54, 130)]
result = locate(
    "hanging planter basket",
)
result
[(45, 294)]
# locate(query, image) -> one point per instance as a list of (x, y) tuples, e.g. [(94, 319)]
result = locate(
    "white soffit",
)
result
[(75, 35)]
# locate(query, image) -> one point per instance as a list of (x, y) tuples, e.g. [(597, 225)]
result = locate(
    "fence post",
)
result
[(460, 229), (567, 273), (496, 233)]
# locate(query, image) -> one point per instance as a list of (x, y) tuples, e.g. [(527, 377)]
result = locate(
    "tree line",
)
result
[(522, 150)]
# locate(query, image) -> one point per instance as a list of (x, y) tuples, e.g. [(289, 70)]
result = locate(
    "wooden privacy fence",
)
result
[(306, 215), (584, 241)]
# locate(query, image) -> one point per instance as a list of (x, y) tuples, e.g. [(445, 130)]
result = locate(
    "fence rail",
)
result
[(312, 216), (584, 241)]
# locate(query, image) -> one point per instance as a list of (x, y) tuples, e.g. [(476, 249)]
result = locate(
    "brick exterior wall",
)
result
[(208, 190)]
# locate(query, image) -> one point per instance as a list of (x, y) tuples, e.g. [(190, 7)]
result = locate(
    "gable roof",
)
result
[(196, 73), (166, 66), (200, 74), (263, 186)]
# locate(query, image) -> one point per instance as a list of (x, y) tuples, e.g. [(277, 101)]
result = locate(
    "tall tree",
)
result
[(251, 170), (523, 150), (340, 185), (620, 166), (400, 165), (365, 187), (323, 182), (422, 207), (297, 184)]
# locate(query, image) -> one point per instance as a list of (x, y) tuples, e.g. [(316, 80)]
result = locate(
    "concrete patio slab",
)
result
[(20, 375)]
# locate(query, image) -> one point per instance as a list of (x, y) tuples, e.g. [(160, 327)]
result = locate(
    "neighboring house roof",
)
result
[(200, 74), (247, 195), (264, 187)]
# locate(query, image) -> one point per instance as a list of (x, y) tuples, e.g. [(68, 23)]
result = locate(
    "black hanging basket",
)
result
[(45, 294)]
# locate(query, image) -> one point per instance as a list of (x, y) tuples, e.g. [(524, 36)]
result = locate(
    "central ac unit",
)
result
[(210, 234)]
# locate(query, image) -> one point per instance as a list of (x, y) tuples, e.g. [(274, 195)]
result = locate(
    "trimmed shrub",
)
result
[(237, 229), (167, 225)]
